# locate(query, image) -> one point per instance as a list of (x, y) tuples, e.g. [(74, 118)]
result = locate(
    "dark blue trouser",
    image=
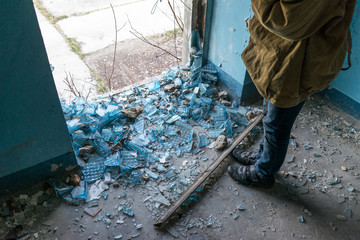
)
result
[(277, 127)]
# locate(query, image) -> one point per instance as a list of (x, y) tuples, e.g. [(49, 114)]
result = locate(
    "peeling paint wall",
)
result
[(227, 38), (32, 126), (348, 82)]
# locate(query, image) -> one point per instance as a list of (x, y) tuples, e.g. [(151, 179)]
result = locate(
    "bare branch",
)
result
[(176, 19), (138, 35)]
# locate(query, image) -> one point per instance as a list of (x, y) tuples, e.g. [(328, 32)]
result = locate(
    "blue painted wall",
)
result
[(348, 82), (33, 131), (225, 39)]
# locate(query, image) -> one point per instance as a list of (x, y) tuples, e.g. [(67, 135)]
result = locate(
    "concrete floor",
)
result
[(269, 213)]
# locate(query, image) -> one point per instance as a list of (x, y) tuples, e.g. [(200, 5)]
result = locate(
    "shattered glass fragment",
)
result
[(94, 169), (113, 160), (127, 211), (135, 176), (154, 85), (202, 139), (101, 147), (214, 133), (333, 181), (152, 174), (307, 147), (106, 134), (59, 187), (209, 68), (80, 191), (173, 119)]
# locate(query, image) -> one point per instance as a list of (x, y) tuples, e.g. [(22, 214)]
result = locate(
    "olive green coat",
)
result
[(296, 47)]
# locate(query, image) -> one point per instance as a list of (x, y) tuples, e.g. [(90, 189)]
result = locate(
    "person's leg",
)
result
[(278, 123), (277, 127)]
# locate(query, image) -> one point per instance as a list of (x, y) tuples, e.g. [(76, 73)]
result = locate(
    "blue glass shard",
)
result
[(141, 140), (59, 187), (179, 133), (187, 147), (203, 123), (183, 111), (133, 147), (80, 191), (228, 128), (218, 124), (196, 113), (101, 147), (202, 139), (139, 126), (171, 174), (94, 169), (173, 119), (137, 90), (154, 85), (209, 68), (113, 160), (79, 139), (214, 133), (152, 174), (220, 114), (206, 101), (209, 77), (106, 134), (135, 176), (178, 82), (150, 110), (197, 62), (129, 160), (127, 211), (73, 125), (203, 88)]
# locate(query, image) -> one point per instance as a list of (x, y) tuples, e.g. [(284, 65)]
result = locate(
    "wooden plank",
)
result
[(204, 176)]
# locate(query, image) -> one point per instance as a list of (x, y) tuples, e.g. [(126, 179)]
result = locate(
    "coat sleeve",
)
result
[(296, 19)]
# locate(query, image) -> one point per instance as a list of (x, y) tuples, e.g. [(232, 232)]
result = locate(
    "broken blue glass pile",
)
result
[(178, 114)]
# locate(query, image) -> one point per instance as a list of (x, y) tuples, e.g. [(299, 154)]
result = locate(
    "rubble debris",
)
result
[(221, 142), (75, 180), (341, 217), (289, 158), (132, 112), (301, 219), (348, 212), (92, 212), (241, 208)]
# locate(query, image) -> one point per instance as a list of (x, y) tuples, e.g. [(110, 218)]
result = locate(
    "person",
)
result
[(296, 48)]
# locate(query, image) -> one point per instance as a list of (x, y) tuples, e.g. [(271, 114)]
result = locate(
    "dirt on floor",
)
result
[(315, 196), (136, 60)]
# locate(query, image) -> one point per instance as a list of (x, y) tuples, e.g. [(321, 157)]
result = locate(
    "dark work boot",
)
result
[(247, 175), (244, 157)]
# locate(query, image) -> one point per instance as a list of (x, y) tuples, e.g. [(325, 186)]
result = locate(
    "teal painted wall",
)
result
[(348, 82), (227, 38), (32, 126)]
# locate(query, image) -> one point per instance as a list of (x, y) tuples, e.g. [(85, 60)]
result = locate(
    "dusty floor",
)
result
[(329, 211)]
